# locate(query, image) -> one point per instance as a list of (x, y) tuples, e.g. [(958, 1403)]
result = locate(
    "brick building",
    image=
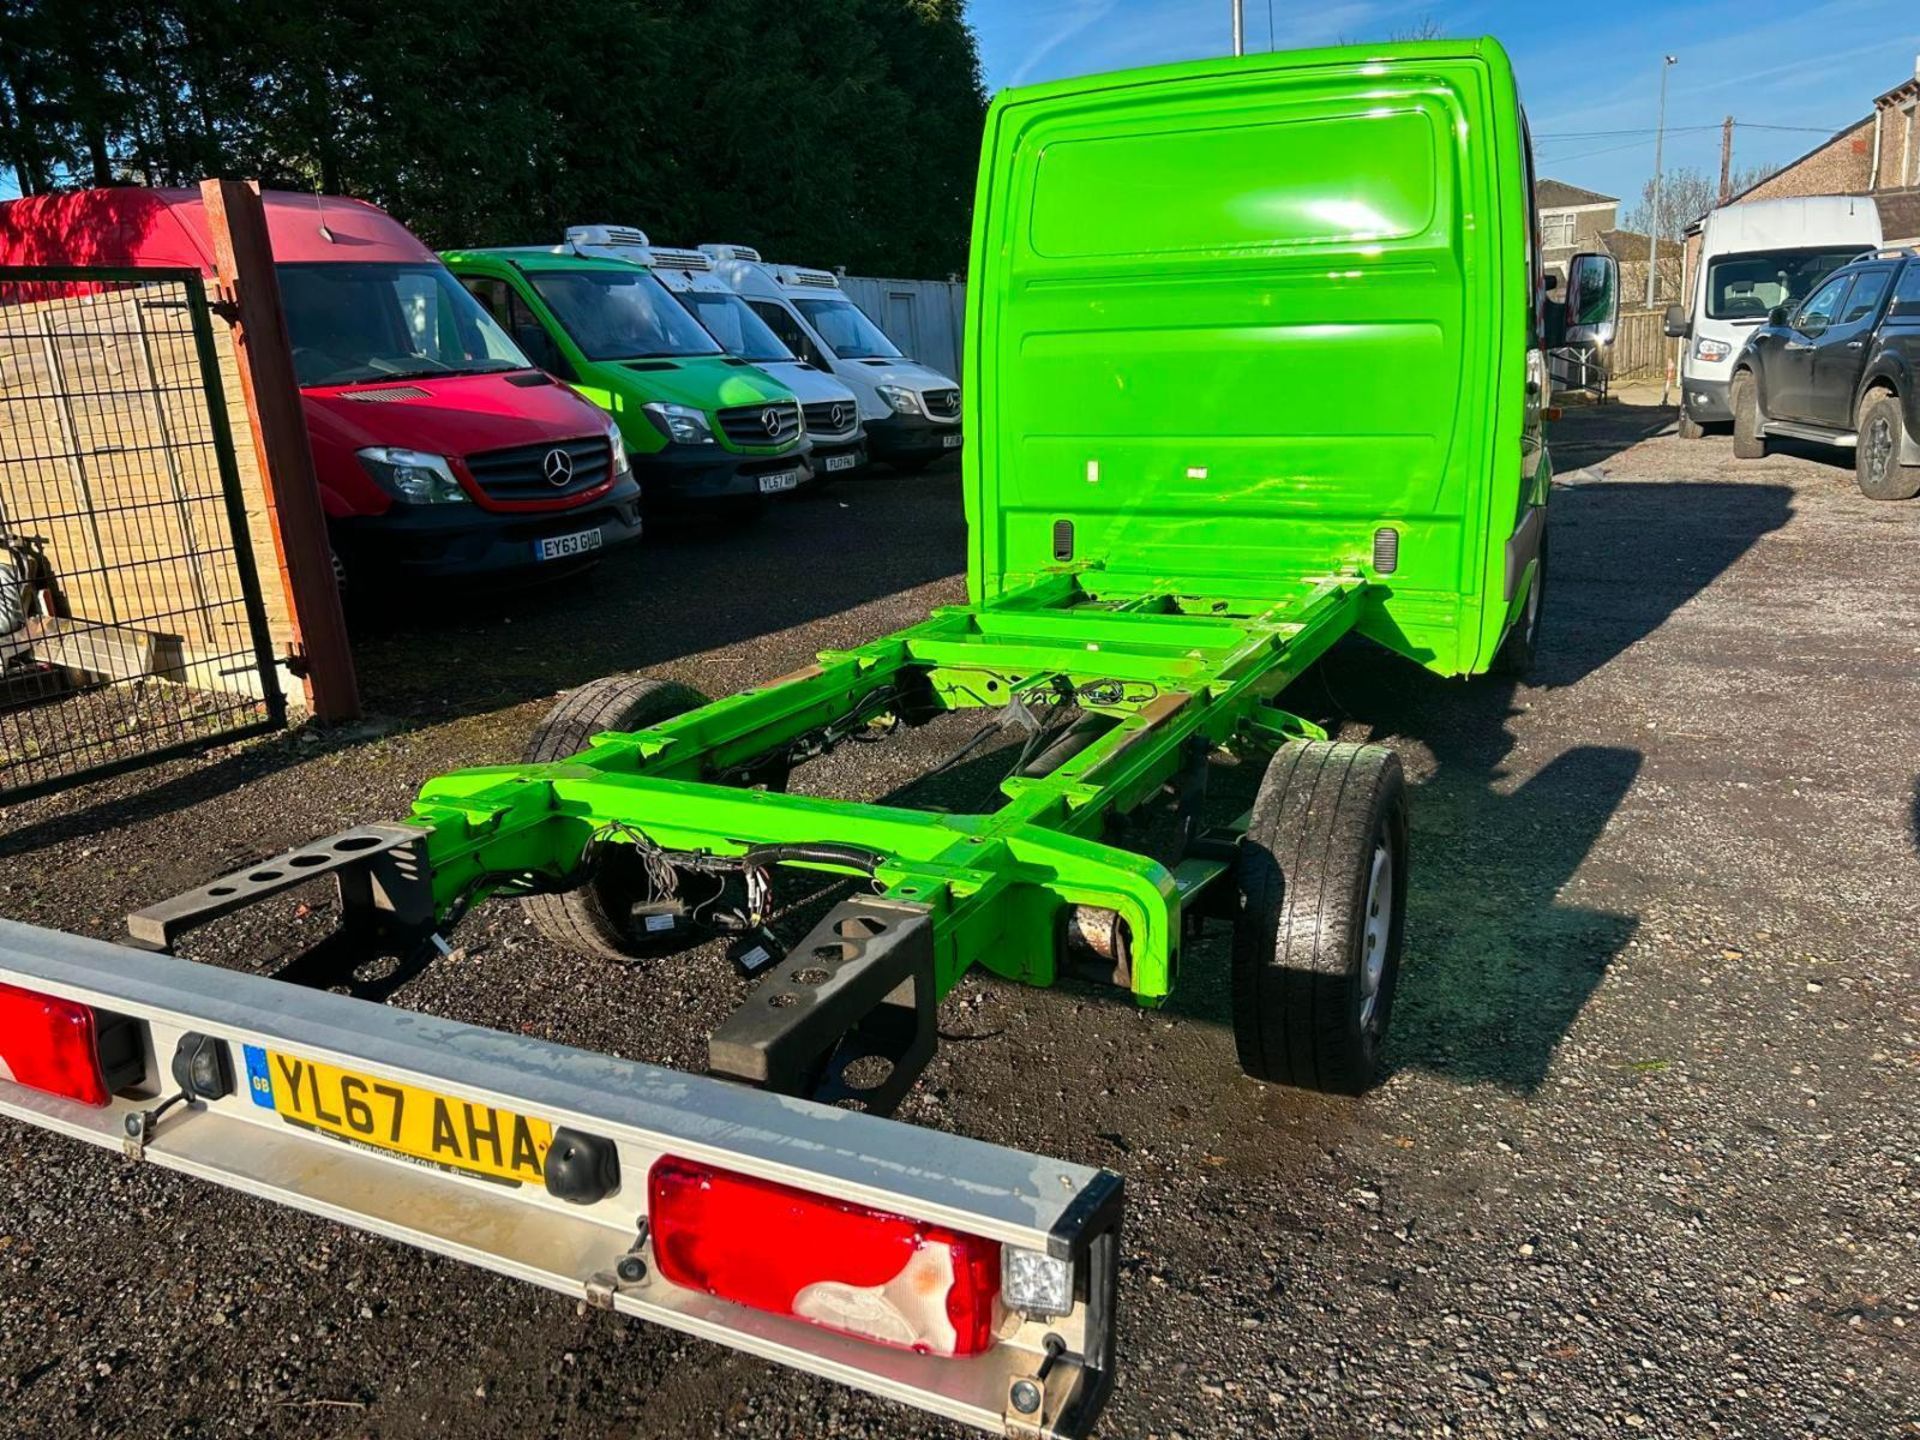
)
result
[(1571, 220), (1878, 156)]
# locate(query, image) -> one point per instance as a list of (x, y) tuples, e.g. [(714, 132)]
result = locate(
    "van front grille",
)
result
[(527, 473), (941, 404), (775, 423), (831, 417)]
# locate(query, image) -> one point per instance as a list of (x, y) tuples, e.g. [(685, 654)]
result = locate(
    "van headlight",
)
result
[(412, 475), (619, 444), (680, 423), (903, 401), (1712, 350)]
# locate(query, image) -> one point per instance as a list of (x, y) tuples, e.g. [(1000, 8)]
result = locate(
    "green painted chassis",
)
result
[(1175, 671)]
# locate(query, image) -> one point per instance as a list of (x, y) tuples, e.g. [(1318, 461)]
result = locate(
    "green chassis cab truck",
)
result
[(1252, 365), (702, 428)]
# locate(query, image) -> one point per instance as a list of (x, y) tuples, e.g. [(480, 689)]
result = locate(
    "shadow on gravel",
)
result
[(442, 652), (1627, 554), (1594, 434), (1498, 964)]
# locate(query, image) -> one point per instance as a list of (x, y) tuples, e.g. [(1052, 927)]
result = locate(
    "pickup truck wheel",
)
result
[(1876, 457), (1748, 442), (1323, 890), (597, 917)]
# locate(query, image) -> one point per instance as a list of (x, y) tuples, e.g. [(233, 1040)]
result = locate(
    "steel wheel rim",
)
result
[(1879, 446), (1376, 932)]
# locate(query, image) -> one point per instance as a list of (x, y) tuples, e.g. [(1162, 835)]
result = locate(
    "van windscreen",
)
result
[(621, 315), (847, 330), (1747, 287), (350, 323), (732, 322)]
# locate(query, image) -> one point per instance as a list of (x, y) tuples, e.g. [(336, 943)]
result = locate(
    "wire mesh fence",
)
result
[(131, 625)]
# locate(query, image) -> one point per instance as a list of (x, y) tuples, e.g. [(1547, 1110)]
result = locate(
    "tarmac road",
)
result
[(1645, 1164)]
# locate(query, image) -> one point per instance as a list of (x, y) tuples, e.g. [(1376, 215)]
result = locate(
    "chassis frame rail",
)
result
[(1071, 1212)]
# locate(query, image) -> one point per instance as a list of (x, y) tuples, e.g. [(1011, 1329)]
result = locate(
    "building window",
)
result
[(1556, 230)]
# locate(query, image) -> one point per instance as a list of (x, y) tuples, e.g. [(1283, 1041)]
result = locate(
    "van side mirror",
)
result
[(1677, 325), (1552, 282), (1779, 316), (1593, 298)]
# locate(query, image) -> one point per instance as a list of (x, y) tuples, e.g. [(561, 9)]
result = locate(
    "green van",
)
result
[(701, 427)]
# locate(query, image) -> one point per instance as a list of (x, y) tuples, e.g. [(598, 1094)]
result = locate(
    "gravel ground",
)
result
[(1645, 1163)]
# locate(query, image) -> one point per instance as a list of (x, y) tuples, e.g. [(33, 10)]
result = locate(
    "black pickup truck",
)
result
[(1843, 369)]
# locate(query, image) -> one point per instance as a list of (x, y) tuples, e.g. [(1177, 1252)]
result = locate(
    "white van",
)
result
[(1755, 258), (831, 409), (912, 412)]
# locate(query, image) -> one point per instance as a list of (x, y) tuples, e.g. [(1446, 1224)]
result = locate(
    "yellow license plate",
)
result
[(440, 1129)]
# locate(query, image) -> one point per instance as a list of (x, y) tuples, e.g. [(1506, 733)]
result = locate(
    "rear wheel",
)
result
[(1744, 397), (1323, 889), (597, 918), (1521, 646), (1876, 456)]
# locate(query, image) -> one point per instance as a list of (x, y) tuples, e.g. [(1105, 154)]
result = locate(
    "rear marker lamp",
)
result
[(861, 1272), (66, 1048)]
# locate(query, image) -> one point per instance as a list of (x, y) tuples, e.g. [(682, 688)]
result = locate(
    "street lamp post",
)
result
[(1659, 144), (1239, 26)]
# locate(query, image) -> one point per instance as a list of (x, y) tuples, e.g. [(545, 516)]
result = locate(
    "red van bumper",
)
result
[(434, 541)]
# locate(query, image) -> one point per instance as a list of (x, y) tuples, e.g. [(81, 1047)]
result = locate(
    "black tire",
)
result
[(1301, 944), (595, 919), (1687, 427), (1744, 397), (1514, 659), (1876, 455)]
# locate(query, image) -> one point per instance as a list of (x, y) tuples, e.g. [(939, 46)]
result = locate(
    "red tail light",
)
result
[(66, 1048), (862, 1272)]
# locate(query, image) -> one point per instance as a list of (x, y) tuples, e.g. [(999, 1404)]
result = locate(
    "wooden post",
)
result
[(243, 260)]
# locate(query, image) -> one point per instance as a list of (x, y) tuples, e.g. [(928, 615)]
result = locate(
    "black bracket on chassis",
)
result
[(846, 1018), (386, 909)]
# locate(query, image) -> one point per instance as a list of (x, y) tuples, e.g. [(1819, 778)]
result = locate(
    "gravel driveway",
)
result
[(1646, 1161)]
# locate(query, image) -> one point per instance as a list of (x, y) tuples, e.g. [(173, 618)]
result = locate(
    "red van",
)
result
[(439, 448)]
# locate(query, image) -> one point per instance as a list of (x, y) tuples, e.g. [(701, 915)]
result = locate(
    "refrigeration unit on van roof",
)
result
[(642, 250)]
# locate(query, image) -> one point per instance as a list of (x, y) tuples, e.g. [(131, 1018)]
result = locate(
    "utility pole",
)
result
[(1659, 147), (1239, 26), (1726, 158)]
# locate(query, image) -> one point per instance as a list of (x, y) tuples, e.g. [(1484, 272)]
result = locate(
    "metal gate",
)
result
[(131, 623)]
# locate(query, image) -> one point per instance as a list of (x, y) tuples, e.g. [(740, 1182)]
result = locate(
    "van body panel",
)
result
[(1755, 256), (1318, 322), (456, 416), (915, 436), (670, 471)]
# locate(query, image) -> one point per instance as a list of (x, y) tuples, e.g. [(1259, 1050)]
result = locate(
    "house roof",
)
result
[(1632, 245), (1559, 195), (1840, 134)]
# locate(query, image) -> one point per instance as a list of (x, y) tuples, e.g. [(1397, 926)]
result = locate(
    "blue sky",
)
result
[(1765, 62)]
